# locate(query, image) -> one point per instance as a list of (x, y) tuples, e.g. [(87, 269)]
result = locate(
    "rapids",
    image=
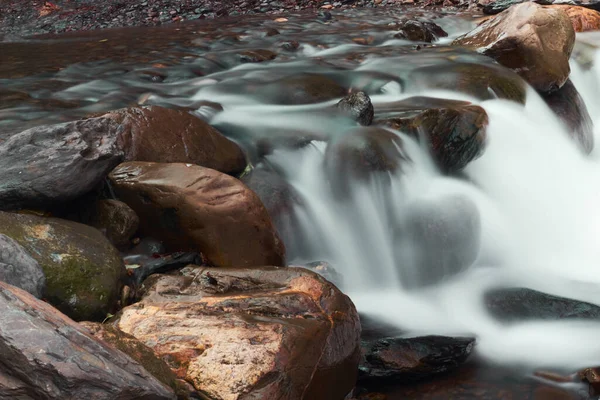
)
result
[(535, 192)]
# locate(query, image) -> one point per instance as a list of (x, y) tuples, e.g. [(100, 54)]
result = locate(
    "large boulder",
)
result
[(582, 19), (19, 269), (83, 270), (534, 41), (158, 134), (195, 208), (261, 333), (45, 355), (454, 131), (570, 108), (49, 165)]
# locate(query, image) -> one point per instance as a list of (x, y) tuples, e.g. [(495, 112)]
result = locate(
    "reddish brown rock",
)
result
[(583, 19), (262, 333), (45, 355), (195, 208), (534, 41), (158, 134), (454, 131), (302, 89)]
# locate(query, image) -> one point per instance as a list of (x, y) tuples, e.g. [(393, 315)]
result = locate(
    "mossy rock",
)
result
[(84, 272)]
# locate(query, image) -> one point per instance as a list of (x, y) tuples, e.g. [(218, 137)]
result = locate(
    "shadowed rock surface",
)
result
[(45, 355), (19, 269)]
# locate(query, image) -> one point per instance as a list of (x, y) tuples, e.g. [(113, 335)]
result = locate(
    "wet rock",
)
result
[(158, 134), (50, 164), (199, 209), (324, 269), (534, 41), (419, 31), (114, 218), (138, 351), (582, 19), (482, 81), (362, 154), (518, 304), (19, 269), (83, 270), (405, 359), (280, 199), (45, 355), (454, 131), (163, 264), (568, 105), (302, 89), (260, 332), (437, 239), (257, 56), (497, 6), (358, 106)]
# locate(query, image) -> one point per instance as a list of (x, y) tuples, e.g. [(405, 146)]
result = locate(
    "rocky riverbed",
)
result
[(157, 237)]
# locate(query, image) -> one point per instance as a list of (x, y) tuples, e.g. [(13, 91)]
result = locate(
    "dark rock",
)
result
[(437, 239), (518, 304), (405, 359), (324, 269), (138, 351), (164, 264), (83, 270), (158, 134), (192, 208), (280, 199), (250, 333), (497, 6), (302, 89), (45, 355), (419, 31), (48, 165), (115, 219), (454, 131), (19, 269), (362, 154), (482, 81), (257, 56), (358, 106), (534, 41), (568, 105)]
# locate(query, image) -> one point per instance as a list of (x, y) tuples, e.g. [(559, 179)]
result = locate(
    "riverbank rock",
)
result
[(409, 359), (250, 333), (454, 131), (45, 355), (138, 351), (115, 219), (518, 304), (419, 31), (195, 208), (534, 41), (83, 270), (362, 154), (570, 108), (158, 134), (19, 269), (437, 239), (483, 81), (52, 164), (497, 6)]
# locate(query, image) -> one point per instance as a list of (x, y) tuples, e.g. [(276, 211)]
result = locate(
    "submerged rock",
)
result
[(52, 164), (437, 239), (45, 355), (83, 270), (570, 108), (534, 41), (518, 304), (19, 269), (406, 359), (158, 134), (302, 89), (199, 209), (250, 333), (483, 81), (455, 131), (358, 106)]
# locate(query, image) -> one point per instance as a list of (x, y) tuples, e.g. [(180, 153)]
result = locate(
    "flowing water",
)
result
[(534, 193)]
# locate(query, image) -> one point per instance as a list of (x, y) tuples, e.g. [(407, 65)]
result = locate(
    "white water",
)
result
[(538, 199)]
